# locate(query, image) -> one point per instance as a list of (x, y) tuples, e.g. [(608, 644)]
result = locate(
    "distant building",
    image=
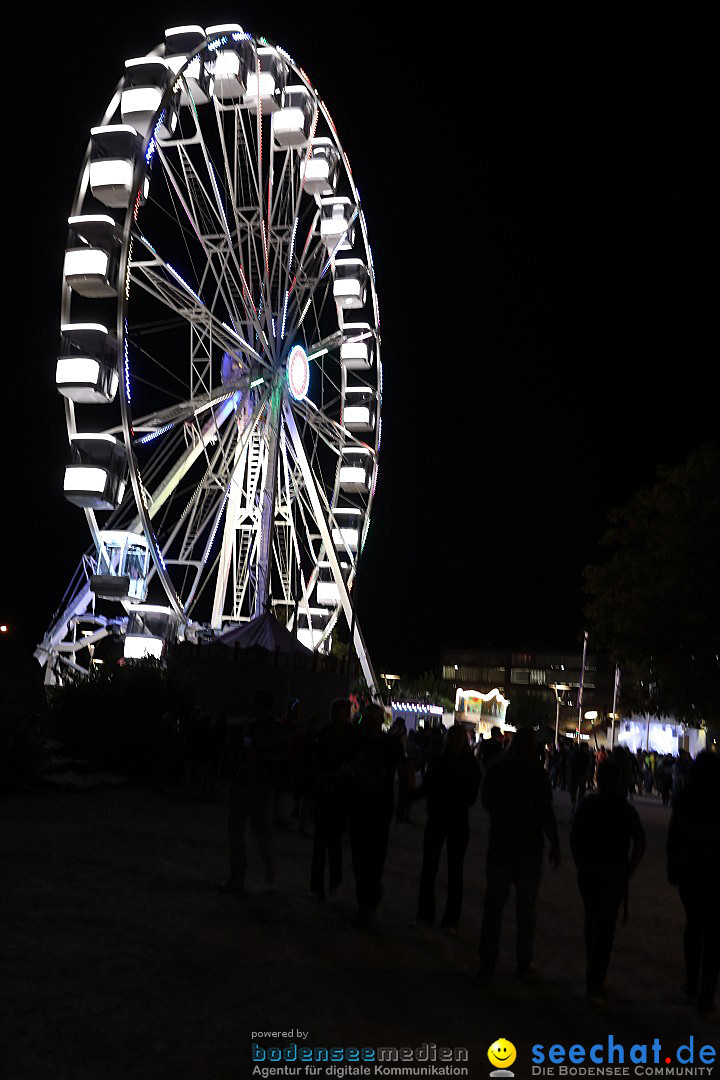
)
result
[(540, 682), (547, 685)]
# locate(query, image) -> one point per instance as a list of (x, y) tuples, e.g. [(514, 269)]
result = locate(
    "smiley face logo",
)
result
[(502, 1054)]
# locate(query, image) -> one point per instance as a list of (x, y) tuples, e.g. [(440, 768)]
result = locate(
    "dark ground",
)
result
[(123, 960)]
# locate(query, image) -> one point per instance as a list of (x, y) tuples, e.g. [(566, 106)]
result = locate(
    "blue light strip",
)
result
[(215, 526), (155, 434), (182, 281)]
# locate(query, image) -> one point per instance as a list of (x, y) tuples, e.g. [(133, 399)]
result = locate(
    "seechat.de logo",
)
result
[(501, 1054)]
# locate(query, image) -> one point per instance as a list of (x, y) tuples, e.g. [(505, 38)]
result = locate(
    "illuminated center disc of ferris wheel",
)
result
[(298, 370)]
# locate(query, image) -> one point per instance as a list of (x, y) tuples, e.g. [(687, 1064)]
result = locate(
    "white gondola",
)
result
[(91, 257), (265, 81), (319, 172), (180, 42), (336, 232), (123, 559), (311, 625), (233, 53), (86, 369), (95, 477), (114, 152), (358, 346), (292, 123), (149, 630), (356, 469), (146, 80), (350, 283), (346, 534), (326, 591), (359, 409)]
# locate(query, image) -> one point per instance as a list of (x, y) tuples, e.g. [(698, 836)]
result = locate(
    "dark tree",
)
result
[(655, 600)]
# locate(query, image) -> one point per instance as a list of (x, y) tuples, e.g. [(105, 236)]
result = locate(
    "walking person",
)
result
[(579, 770), (517, 794), (693, 850), (333, 752), (663, 775), (402, 810), (491, 749), (451, 786), (375, 761), (607, 843), (261, 757)]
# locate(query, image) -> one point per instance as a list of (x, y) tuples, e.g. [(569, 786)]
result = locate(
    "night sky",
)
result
[(541, 194)]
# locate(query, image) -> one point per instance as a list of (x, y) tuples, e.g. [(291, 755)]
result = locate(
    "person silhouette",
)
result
[(517, 793), (491, 749), (262, 753), (451, 785), (579, 770), (375, 761), (607, 843), (693, 865), (333, 751)]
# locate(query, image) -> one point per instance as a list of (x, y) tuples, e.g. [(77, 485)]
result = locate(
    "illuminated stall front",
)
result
[(664, 736), (483, 711), (420, 714)]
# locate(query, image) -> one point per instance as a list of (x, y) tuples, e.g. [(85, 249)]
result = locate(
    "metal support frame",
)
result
[(320, 519)]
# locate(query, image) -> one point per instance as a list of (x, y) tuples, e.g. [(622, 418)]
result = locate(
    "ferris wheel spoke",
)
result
[(324, 530), (191, 407), (330, 431), (243, 501), (222, 220), (169, 485), (232, 189), (319, 486), (291, 273), (207, 237), (261, 198), (207, 433), (294, 498), (174, 292)]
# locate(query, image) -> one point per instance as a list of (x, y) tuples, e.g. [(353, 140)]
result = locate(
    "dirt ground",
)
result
[(121, 958)]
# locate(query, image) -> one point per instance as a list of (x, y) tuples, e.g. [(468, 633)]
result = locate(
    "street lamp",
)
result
[(559, 688)]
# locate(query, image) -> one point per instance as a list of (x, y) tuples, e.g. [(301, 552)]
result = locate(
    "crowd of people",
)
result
[(356, 776), (574, 768)]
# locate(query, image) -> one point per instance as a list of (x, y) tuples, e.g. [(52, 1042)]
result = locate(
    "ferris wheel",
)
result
[(220, 350)]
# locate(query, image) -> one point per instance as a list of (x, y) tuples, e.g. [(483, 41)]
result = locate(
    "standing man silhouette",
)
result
[(518, 795), (376, 759), (693, 849), (607, 842)]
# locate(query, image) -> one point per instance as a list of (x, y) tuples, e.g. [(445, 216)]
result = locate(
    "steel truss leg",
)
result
[(320, 520)]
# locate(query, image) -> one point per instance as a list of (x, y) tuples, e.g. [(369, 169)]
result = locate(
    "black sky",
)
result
[(541, 193)]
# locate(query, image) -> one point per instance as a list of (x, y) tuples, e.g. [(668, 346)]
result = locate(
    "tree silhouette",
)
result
[(655, 600)]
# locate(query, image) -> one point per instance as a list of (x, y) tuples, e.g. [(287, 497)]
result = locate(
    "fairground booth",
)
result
[(482, 711)]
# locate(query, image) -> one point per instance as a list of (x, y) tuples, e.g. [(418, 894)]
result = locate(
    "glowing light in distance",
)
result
[(493, 695), (298, 370)]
